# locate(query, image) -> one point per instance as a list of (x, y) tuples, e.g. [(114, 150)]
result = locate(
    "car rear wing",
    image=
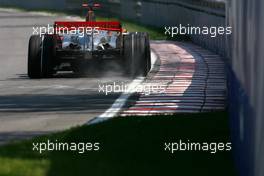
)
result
[(100, 25), (91, 5)]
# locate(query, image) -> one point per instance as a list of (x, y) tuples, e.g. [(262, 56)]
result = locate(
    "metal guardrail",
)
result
[(213, 7), (209, 7)]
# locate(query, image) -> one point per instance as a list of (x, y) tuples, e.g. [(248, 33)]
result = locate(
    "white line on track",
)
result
[(122, 99), (119, 103)]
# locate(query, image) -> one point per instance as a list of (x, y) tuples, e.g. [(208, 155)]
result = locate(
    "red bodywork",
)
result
[(100, 25)]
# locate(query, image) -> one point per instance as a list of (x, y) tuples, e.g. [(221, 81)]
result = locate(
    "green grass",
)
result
[(128, 146)]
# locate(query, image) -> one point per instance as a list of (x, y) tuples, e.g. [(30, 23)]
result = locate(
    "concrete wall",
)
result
[(173, 13), (246, 84)]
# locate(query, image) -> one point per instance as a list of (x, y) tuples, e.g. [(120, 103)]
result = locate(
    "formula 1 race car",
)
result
[(78, 46)]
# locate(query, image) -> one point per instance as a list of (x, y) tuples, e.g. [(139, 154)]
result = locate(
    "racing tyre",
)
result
[(136, 54), (144, 47), (34, 57), (48, 56), (128, 55)]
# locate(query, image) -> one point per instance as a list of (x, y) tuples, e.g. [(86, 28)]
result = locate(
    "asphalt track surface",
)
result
[(32, 107)]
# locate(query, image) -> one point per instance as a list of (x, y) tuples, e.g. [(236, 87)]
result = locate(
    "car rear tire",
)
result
[(34, 57), (144, 47), (136, 54), (48, 56)]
